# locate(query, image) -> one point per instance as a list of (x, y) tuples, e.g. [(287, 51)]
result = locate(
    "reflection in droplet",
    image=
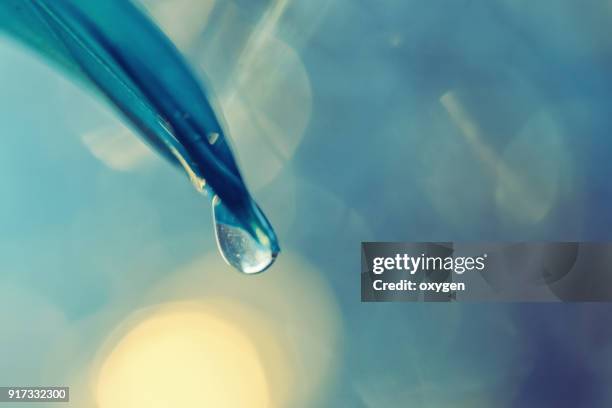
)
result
[(238, 247)]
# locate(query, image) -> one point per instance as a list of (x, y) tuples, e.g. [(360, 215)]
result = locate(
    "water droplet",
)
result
[(247, 253)]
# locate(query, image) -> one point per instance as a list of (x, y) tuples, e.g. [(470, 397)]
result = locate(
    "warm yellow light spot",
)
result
[(183, 358)]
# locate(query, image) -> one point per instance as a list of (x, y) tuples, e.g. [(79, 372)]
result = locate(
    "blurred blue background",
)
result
[(352, 121)]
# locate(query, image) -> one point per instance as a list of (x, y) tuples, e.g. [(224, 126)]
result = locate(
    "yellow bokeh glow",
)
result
[(182, 357)]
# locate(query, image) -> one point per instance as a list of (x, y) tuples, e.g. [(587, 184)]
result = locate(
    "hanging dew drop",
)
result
[(249, 252), (238, 247)]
